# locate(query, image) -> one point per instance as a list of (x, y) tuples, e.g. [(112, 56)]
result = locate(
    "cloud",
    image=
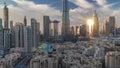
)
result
[(101, 2), (82, 3)]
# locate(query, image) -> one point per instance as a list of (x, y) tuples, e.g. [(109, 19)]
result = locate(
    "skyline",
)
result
[(80, 10)]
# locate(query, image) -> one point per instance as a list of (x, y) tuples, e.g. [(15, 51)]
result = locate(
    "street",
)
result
[(23, 63)]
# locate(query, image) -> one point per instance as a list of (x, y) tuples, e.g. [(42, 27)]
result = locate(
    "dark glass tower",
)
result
[(65, 19)]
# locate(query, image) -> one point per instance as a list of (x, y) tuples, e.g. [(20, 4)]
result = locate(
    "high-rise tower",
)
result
[(0, 24), (65, 19), (34, 29), (46, 26), (6, 16), (56, 28), (112, 24), (95, 29)]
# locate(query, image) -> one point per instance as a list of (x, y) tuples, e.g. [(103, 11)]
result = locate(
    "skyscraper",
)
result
[(72, 30), (25, 33), (38, 33), (1, 36), (65, 19), (46, 26), (95, 29), (106, 28), (19, 36), (11, 24), (12, 34), (0, 24), (109, 26), (1, 40), (25, 21), (83, 30), (55, 28), (34, 32), (6, 17), (29, 39), (6, 37), (112, 23)]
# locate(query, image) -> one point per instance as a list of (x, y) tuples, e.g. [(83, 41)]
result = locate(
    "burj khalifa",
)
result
[(65, 19)]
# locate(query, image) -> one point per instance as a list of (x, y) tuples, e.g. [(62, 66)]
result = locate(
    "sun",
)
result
[(90, 22)]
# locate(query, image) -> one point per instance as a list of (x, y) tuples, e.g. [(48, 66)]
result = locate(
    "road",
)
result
[(23, 63)]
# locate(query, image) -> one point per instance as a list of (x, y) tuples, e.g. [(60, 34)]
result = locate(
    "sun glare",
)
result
[(90, 24)]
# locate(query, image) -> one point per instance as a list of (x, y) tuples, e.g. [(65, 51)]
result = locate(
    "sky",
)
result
[(80, 10)]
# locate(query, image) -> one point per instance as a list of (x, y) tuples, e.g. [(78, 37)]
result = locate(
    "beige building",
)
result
[(43, 62)]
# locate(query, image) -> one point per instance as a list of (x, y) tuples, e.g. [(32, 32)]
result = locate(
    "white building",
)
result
[(112, 59)]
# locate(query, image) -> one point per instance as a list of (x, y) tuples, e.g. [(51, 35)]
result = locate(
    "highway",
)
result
[(24, 62)]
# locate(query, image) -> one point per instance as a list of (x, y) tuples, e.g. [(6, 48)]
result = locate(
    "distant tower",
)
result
[(106, 28), (55, 28), (29, 38), (12, 34), (83, 30), (38, 33), (72, 30), (34, 32), (1, 36), (112, 24), (65, 19), (0, 24), (46, 26), (19, 35), (6, 16), (6, 39), (11, 24), (25, 21), (95, 30)]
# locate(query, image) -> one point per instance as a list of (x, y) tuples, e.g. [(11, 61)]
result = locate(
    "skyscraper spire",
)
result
[(4, 2), (94, 14), (25, 21), (65, 18)]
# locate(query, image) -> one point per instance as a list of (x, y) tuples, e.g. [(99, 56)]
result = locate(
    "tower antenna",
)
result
[(4, 2)]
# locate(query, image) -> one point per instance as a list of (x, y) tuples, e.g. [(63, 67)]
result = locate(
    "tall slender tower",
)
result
[(95, 30), (65, 19), (6, 18), (25, 21)]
